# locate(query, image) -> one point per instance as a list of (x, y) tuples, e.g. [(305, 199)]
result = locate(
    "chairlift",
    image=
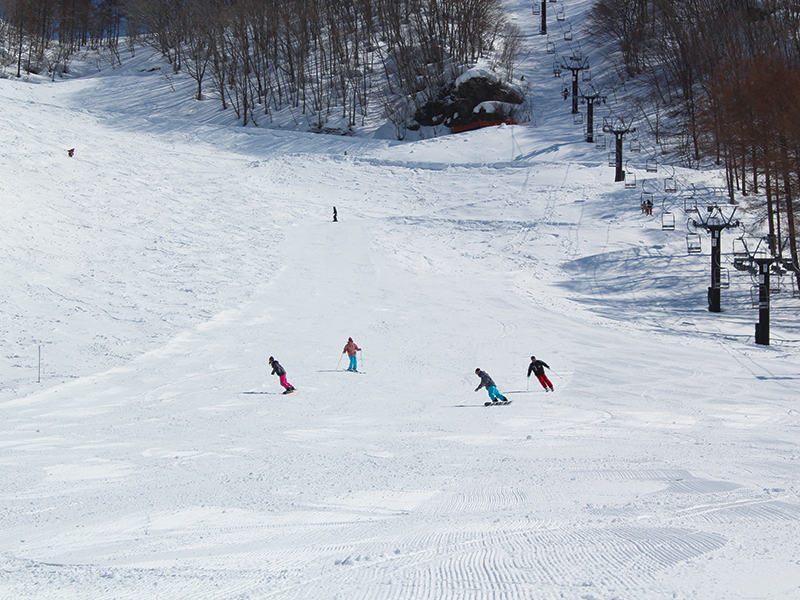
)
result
[(635, 145), (724, 278), (775, 286), (740, 247), (667, 221), (586, 75), (630, 180), (557, 69), (612, 159), (537, 8), (755, 297), (568, 35), (551, 48), (651, 166), (560, 14), (670, 185), (577, 118), (600, 143), (693, 245), (690, 205)]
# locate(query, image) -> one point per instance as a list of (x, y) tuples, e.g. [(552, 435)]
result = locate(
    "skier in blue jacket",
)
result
[(488, 383)]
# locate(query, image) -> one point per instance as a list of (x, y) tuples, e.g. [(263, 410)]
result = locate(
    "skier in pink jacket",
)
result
[(351, 348)]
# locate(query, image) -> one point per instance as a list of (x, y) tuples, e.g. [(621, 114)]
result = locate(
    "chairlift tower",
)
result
[(591, 96), (575, 63), (763, 265), (619, 128), (714, 221), (543, 28)]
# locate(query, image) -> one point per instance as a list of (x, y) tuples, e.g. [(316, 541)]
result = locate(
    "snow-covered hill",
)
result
[(160, 267)]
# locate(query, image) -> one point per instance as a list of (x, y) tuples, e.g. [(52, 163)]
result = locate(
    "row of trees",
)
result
[(30, 28), (726, 75), (318, 56)]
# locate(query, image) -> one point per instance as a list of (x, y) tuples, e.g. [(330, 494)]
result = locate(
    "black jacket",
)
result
[(277, 369), (537, 367)]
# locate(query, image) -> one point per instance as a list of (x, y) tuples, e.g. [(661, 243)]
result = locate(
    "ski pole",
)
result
[(340, 361), (361, 358)]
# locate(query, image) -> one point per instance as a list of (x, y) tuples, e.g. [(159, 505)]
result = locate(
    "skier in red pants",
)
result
[(537, 368)]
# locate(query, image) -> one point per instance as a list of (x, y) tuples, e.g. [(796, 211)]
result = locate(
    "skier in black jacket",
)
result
[(278, 370), (537, 368)]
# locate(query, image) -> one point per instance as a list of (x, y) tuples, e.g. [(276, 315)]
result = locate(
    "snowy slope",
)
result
[(162, 265)]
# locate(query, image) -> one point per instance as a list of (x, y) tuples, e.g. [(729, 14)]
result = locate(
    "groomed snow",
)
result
[(161, 266)]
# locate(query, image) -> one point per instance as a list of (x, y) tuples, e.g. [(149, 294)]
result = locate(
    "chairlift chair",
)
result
[(635, 145), (670, 185), (667, 221), (600, 143), (775, 286), (537, 8), (724, 279), (690, 205), (630, 180), (739, 247), (577, 118), (755, 297), (551, 48), (612, 159), (568, 35), (586, 75), (693, 245), (560, 14), (651, 166)]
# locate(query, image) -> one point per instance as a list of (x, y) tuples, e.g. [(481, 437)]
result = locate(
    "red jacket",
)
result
[(351, 348)]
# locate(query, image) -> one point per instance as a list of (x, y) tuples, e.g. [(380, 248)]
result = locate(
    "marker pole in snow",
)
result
[(39, 380)]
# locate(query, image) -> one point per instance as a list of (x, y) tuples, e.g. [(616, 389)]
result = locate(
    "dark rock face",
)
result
[(456, 106)]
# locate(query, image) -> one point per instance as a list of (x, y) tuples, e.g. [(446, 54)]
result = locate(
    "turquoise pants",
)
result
[(353, 363), (494, 394)]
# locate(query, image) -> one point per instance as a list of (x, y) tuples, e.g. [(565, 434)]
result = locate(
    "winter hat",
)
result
[(533, 358), (271, 359), (349, 339), (477, 370)]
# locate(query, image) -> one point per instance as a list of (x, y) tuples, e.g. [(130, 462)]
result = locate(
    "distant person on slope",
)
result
[(537, 368), (488, 383), (351, 348), (278, 370)]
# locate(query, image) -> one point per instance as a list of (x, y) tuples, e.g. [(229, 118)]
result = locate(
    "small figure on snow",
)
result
[(335, 216), (278, 370), (488, 383), (71, 152), (537, 368), (351, 348)]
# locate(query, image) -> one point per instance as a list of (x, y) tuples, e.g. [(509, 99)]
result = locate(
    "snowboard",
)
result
[(287, 392), (496, 403)]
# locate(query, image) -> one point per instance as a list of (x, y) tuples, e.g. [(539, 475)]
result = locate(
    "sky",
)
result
[(146, 450)]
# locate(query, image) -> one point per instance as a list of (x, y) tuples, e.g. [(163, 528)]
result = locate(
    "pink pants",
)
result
[(544, 381), (285, 383)]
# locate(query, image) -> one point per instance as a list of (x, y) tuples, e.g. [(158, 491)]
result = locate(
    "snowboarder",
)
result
[(71, 152), (488, 383), (278, 370), (335, 215), (537, 368), (351, 348)]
